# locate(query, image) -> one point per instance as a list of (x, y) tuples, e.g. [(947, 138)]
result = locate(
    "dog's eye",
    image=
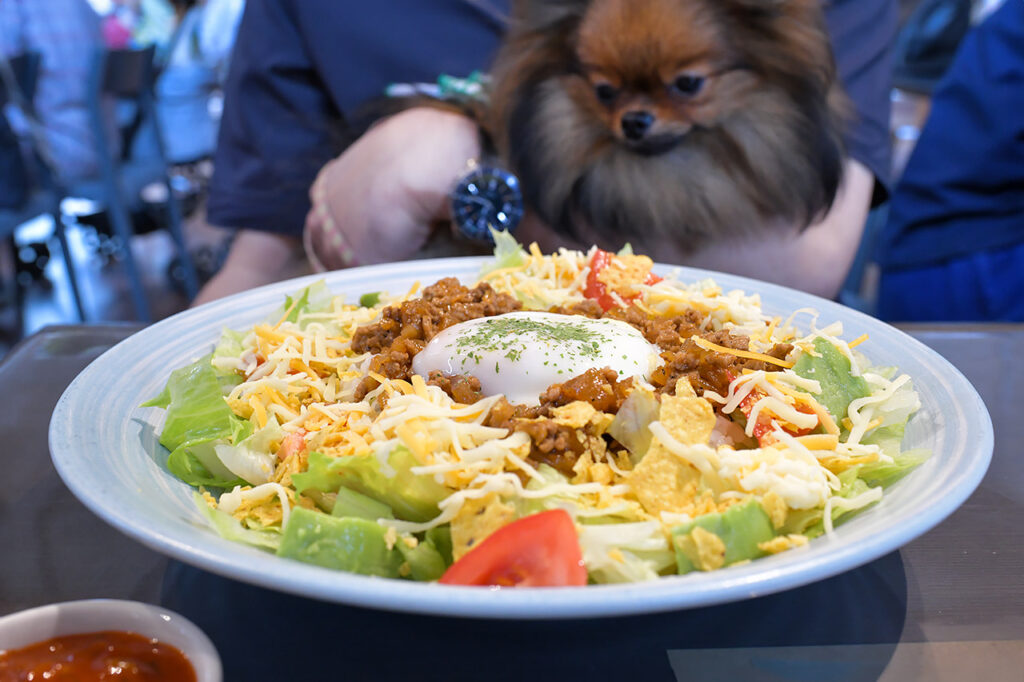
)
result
[(688, 84), (605, 92)]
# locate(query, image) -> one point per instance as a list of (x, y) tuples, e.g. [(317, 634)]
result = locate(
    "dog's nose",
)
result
[(635, 124)]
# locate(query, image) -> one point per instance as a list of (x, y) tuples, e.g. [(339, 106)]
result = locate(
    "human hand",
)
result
[(377, 202)]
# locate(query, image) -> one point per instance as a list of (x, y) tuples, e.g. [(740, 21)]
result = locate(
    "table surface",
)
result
[(947, 606)]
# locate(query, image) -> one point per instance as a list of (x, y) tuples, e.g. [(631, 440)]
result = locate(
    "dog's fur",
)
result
[(758, 144)]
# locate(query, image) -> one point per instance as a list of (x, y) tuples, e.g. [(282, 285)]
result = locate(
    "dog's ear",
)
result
[(539, 14)]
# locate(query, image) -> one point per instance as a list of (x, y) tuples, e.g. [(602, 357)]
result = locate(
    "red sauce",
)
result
[(108, 655)]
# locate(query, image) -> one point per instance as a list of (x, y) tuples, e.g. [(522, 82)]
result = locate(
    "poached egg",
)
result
[(521, 354)]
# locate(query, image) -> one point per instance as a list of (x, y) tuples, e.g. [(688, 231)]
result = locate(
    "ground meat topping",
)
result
[(442, 304), (405, 329), (587, 307), (599, 387), (550, 443), (709, 370), (706, 370), (665, 332), (554, 444), (462, 388)]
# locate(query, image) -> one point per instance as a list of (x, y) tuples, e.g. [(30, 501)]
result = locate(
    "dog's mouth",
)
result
[(652, 145)]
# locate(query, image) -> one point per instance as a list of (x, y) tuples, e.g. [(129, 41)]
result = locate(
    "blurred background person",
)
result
[(65, 33), (953, 247), (136, 23)]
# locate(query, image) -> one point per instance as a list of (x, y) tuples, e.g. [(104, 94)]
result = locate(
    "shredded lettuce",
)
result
[(631, 425), (886, 473), (507, 252), (195, 406), (344, 544), (229, 528), (625, 552), (316, 298), (740, 528), (810, 521), (196, 463), (617, 547), (198, 418), (412, 497), (250, 458), (228, 346)]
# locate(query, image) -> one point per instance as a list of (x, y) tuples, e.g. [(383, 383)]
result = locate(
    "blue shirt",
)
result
[(962, 191), (300, 67)]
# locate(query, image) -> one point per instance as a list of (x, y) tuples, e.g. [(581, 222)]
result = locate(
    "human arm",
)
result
[(299, 67), (370, 229), (388, 214), (379, 201), (815, 260), (276, 132)]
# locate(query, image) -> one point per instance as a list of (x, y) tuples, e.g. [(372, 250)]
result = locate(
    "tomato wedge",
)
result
[(540, 550), (765, 426), (292, 443), (597, 290)]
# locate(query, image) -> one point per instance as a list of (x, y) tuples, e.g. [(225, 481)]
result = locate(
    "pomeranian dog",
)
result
[(681, 120)]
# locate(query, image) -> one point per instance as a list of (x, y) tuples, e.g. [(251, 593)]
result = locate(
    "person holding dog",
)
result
[(288, 98)]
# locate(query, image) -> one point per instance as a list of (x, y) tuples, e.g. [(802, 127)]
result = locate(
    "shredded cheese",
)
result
[(304, 376), (750, 355)]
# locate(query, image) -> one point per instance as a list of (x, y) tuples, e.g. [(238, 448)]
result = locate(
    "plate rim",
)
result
[(766, 575)]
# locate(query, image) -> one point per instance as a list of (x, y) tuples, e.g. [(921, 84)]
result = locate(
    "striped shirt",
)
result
[(66, 34)]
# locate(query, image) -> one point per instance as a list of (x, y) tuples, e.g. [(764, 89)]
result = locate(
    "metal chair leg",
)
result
[(176, 225), (69, 262), (17, 293), (123, 228)]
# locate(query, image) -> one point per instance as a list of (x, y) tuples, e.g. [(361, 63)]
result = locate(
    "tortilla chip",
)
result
[(684, 389), (782, 543), (580, 414), (689, 419), (576, 414), (663, 482), (775, 507), (702, 547), (477, 519)]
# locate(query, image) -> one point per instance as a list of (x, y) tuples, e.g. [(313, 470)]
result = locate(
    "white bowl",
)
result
[(136, 493), (24, 628)]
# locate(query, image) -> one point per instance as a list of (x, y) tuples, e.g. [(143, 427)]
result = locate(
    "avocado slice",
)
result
[(425, 561), (831, 370), (715, 540)]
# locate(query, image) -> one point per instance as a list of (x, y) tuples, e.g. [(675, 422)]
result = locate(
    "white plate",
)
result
[(105, 448)]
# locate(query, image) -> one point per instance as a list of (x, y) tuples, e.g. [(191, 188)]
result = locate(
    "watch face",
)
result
[(486, 198)]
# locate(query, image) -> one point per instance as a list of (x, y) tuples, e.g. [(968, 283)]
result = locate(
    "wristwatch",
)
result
[(485, 197)]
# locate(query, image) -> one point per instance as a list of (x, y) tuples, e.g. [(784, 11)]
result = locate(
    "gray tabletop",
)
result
[(948, 606)]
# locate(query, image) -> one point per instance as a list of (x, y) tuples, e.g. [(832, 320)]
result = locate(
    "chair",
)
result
[(927, 43), (860, 289), (42, 193), (127, 77)]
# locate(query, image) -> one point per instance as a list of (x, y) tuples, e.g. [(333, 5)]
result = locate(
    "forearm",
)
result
[(816, 260), (255, 258)]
